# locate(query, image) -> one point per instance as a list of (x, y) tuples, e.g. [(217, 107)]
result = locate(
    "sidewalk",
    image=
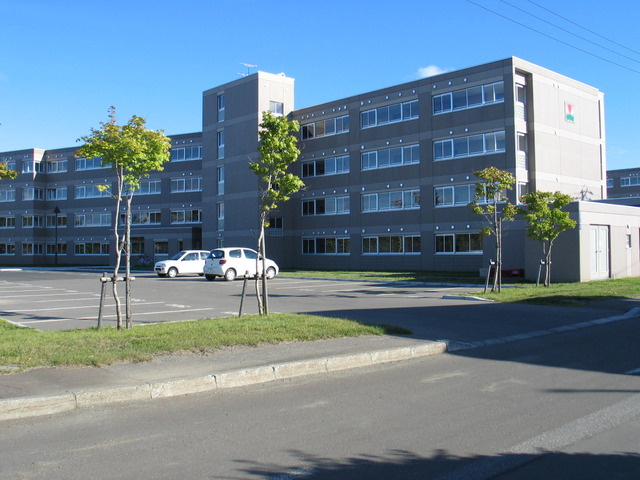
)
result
[(46, 391)]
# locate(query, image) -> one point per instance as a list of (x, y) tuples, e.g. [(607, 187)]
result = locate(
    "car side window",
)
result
[(251, 255), (203, 255), (235, 254), (191, 257)]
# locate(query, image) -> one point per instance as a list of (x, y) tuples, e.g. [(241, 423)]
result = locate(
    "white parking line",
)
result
[(71, 308)]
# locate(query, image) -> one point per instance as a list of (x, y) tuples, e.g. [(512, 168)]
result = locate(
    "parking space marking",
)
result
[(70, 308)]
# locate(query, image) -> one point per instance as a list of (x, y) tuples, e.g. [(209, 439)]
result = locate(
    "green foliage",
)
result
[(491, 191), (5, 172), (129, 148), (543, 212), (278, 150)]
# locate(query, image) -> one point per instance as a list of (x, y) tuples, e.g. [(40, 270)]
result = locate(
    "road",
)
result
[(476, 414)]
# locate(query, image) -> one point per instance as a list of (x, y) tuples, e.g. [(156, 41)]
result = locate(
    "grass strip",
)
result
[(423, 276), (569, 294), (22, 348)]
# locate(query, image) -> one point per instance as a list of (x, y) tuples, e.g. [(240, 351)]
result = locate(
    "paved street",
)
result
[(473, 414)]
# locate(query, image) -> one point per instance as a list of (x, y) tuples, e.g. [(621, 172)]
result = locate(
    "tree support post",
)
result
[(542, 262), (486, 283), (103, 281)]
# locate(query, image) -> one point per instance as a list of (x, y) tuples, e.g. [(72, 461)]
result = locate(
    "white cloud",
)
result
[(431, 70)]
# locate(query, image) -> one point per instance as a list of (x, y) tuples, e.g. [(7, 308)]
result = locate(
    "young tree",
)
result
[(543, 212), (131, 151), (278, 150), (490, 194), (5, 172)]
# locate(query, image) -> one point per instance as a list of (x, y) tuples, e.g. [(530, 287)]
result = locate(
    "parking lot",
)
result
[(64, 300)]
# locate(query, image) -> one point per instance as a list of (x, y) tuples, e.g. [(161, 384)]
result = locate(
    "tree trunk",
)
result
[(547, 271), (127, 265), (119, 246), (257, 283)]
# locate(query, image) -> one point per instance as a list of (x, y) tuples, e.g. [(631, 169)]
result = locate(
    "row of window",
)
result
[(392, 200), (146, 217), (80, 248), (398, 112), (326, 206), (390, 157), (468, 98), (150, 187), (472, 145), (458, 243), (324, 128)]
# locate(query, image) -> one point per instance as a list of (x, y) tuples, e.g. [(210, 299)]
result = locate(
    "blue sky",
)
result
[(64, 62)]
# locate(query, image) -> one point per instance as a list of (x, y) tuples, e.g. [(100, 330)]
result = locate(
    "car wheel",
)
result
[(172, 272), (211, 278), (271, 272), (162, 275), (230, 275)]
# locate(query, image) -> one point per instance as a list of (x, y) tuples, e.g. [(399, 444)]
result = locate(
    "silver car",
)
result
[(232, 262)]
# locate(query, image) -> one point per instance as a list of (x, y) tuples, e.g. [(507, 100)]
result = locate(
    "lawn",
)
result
[(22, 348), (569, 294)]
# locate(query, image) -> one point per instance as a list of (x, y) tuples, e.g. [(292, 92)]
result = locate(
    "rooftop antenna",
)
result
[(249, 66)]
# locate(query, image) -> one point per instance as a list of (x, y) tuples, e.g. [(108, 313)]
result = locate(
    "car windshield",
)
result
[(216, 254), (178, 255)]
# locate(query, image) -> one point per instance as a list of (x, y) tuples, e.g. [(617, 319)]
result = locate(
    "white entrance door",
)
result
[(599, 252)]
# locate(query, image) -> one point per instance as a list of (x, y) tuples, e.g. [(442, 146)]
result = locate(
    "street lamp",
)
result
[(55, 248)]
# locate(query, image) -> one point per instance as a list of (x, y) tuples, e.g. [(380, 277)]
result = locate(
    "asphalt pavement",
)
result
[(442, 328)]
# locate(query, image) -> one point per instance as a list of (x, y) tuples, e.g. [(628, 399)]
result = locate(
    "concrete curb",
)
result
[(16, 408)]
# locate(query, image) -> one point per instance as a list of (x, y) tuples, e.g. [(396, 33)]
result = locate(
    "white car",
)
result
[(186, 261), (232, 262)]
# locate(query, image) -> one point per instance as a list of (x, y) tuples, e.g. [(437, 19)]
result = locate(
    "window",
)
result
[(323, 128), (221, 108), (277, 108), (326, 206), (32, 248), (468, 98), (92, 191), (32, 166), (220, 173), (58, 193), (7, 221), (392, 200), (147, 217), (161, 247), (220, 215), (390, 157), (275, 226), (398, 112), (190, 184), (51, 220), (32, 221), (454, 195), (7, 195), (391, 244), (57, 166), (326, 246), (89, 163), (186, 216), (325, 166), (609, 182), (7, 249), (51, 248), (629, 181), (459, 243), (149, 187), (32, 193), (221, 144), (91, 248), (183, 154), (10, 163), (472, 145), (92, 219)]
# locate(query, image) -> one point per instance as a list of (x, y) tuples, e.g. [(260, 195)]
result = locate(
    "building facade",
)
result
[(389, 175)]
